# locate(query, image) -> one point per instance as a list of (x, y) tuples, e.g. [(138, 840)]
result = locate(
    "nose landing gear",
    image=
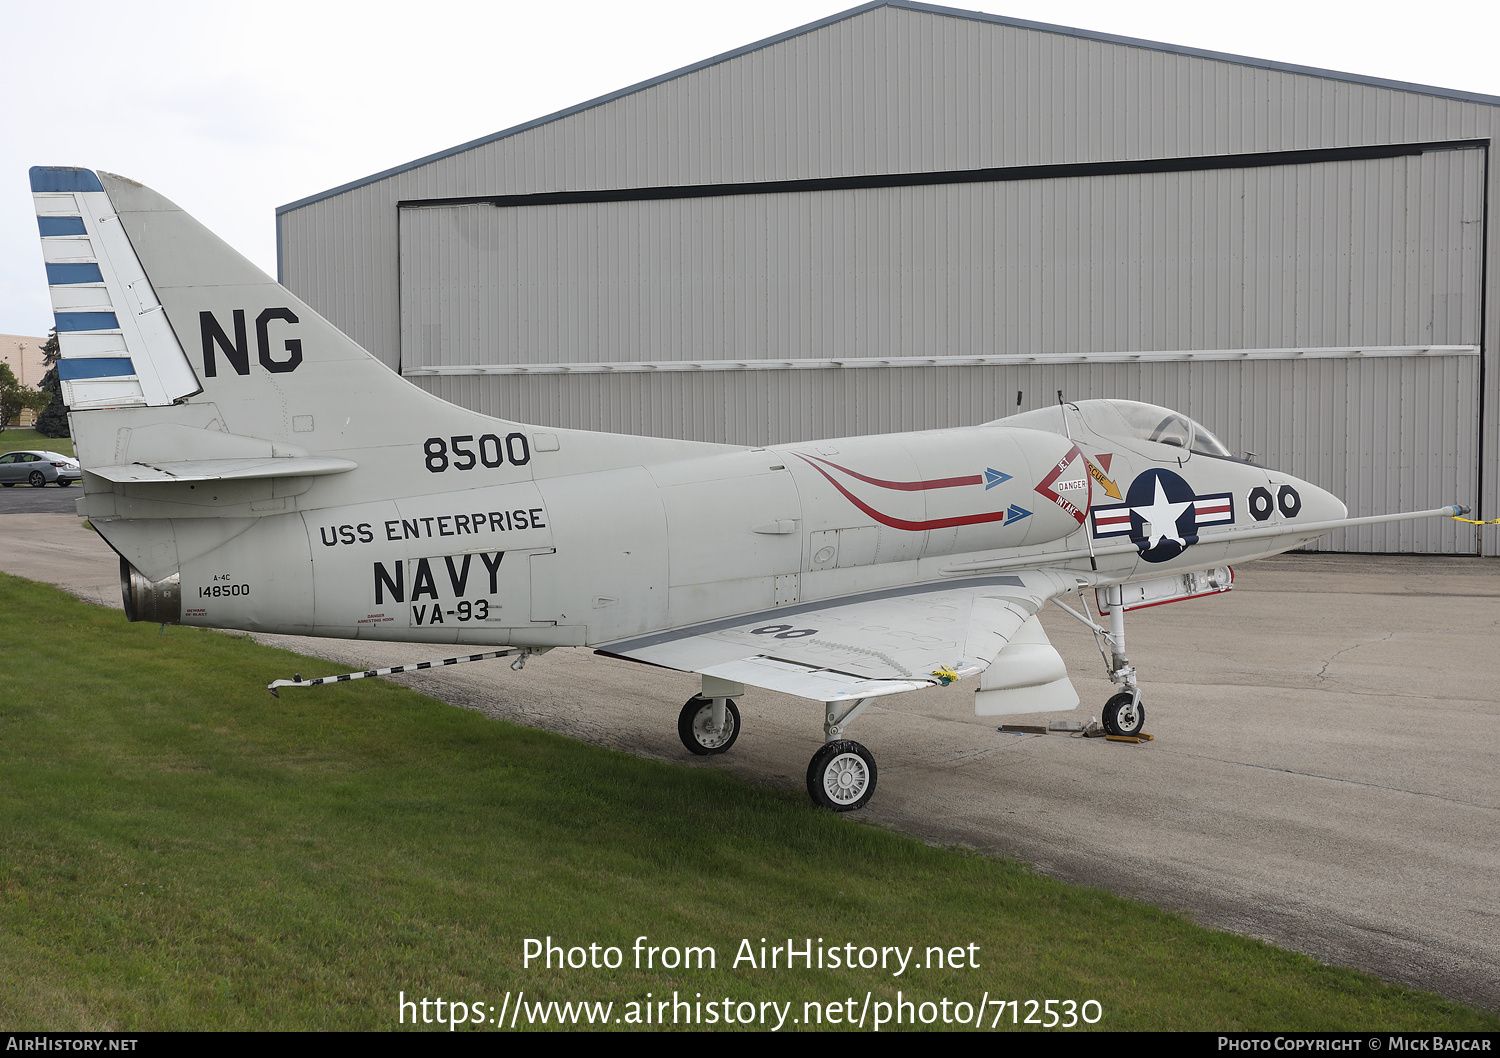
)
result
[(1123, 713)]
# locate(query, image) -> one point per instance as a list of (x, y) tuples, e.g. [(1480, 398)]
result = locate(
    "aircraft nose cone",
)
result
[(1318, 505)]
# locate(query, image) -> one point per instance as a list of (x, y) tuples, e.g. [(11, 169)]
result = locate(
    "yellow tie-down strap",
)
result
[(1471, 521)]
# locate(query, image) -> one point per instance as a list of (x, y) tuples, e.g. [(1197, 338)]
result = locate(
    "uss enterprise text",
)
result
[(439, 525)]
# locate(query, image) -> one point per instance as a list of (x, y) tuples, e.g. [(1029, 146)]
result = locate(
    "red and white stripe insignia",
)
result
[(1214, 510), (1112, 521)]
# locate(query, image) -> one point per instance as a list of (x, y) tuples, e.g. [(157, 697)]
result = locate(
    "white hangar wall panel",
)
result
[(1384, 432), (1371, 252)]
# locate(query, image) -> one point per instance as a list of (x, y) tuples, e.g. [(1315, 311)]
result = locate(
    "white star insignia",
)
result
[(1161, 518)]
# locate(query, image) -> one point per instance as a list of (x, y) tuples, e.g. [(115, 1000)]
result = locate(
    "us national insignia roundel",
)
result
[(1162, 515)]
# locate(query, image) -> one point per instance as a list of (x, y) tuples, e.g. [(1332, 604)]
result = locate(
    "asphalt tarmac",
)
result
[(1323, 775), (23, 499)]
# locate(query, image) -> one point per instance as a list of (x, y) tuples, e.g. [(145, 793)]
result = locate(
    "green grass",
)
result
[(16, 439), (180, 850)]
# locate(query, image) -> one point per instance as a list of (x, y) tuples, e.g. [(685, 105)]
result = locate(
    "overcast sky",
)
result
[(233, 108)]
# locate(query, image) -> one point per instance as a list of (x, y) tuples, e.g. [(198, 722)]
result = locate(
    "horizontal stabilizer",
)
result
[(194, 470)]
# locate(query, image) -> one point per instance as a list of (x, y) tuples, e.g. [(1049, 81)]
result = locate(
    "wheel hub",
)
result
[(704, 732), (846, 778)]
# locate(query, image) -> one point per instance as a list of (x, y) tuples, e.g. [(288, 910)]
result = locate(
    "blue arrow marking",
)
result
[(993, 478), (1015, 514)]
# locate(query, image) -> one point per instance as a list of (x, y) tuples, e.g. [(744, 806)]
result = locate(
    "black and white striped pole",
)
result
[(519, 653)]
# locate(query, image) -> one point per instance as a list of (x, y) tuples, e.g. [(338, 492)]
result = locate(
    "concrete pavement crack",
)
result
[(1322, 673)]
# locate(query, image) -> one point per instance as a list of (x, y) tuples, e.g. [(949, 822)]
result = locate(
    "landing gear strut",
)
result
[(1123, 714), (710, 721), (841, 775)]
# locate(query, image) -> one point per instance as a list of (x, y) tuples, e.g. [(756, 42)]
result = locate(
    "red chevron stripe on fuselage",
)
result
[(905, 486)]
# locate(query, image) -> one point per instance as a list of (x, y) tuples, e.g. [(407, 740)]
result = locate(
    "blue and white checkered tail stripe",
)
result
[(118, 350)]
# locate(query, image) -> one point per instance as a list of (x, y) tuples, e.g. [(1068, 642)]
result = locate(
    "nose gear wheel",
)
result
[(1124, 715)]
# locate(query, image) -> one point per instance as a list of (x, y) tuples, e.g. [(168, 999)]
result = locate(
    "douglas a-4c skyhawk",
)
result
[(256, 469)]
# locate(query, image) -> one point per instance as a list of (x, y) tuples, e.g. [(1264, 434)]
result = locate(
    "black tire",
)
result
[(1120, 720), (63, 483), (693, 721), (37, 480), (841, 776)]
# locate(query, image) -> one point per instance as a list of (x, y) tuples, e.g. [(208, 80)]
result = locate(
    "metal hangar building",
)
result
[(907, 217)]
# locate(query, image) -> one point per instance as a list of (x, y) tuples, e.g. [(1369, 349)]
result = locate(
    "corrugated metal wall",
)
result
[(1373, 252), (898, 89)]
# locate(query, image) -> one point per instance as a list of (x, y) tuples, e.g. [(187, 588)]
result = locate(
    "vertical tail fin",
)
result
[(176, 350)]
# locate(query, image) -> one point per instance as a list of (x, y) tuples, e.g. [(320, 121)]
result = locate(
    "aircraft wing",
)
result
[(863, 646)]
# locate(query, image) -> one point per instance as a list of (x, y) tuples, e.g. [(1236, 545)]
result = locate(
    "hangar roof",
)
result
[(910, 5)]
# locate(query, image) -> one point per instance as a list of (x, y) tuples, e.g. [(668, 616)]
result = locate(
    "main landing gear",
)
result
[(1123, 713), (840, 776), (708, 726), (710, 721)]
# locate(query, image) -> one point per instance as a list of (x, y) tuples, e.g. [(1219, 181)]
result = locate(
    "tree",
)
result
[(16, 398), (53, 420)]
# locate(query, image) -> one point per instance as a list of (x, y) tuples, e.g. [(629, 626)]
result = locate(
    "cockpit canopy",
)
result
[(1128, 420), (1162, 425)]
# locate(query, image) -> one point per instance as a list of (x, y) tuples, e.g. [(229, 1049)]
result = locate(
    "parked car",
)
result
[(38, 468)]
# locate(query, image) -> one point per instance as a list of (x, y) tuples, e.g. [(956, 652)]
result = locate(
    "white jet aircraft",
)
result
[(257, 469)]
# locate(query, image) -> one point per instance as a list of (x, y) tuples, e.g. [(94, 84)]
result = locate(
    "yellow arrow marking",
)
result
[(1109, 487)]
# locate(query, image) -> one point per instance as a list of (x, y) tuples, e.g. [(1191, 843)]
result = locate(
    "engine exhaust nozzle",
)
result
[(159, 602)]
